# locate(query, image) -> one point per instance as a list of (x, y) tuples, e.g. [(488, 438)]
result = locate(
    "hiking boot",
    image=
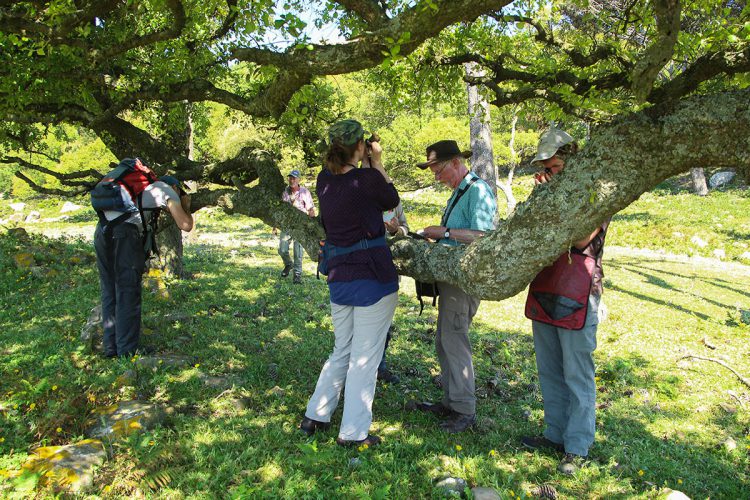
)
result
[(370, 441), (285, 271), (458, 422), (297, 279), (310, 426), (437, 409), (388, 376), (537, 442), (571, 463)]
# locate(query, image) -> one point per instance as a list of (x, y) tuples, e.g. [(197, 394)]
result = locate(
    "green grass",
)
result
[(660, 422)]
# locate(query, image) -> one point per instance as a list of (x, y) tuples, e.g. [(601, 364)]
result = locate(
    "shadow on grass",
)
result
[(653, 279), (634, 216), (714, 281)]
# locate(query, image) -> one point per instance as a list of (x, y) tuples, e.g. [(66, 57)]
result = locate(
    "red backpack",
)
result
[(120, 190)]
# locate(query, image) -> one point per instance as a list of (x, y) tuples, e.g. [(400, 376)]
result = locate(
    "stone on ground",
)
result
[(70, 466), (18, 207), (24, 260), (452, 485), (69, 206), (122, 419), (91, 333), (33, 216), (720, 179), (214, 382), (479, 493), (670, 494)]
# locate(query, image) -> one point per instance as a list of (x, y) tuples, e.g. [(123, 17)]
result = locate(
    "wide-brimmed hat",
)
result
[(346, 132), (294, 173), (549, 143), (442, 151)]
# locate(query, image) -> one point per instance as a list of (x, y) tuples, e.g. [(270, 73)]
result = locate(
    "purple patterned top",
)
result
[(352, 206)]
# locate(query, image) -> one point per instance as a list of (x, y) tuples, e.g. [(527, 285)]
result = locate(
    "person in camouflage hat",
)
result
[(346, 132), (362, 281)]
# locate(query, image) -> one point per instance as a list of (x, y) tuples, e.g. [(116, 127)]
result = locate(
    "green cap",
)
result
[(346, 132)]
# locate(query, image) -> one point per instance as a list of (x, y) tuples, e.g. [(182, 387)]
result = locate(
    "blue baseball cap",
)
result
[(294, 173), (172, 181)]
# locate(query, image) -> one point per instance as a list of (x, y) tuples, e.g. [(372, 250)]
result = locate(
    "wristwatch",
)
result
[(447, 233)]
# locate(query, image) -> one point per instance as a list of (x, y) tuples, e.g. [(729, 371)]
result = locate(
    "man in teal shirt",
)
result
[(469, 213)]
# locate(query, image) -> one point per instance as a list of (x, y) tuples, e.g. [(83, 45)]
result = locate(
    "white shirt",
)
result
[(154, 196)]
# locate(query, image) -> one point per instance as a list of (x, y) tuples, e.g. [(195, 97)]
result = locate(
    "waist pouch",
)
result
[(559, 295), (328, 251)]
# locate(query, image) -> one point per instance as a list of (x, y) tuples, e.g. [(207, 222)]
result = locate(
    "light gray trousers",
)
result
[(285, 239), (566, 374), (360, 334)]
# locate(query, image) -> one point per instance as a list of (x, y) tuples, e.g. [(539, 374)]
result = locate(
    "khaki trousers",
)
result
[(456, 309)]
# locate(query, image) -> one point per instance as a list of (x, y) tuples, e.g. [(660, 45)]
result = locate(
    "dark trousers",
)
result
[(121, 262), (383, 366)]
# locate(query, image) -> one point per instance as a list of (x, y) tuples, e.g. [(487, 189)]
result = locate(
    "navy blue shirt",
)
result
[(352, 206)]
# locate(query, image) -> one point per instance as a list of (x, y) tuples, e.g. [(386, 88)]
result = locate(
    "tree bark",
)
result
[(699, 181), (482, 162), (169, 242)]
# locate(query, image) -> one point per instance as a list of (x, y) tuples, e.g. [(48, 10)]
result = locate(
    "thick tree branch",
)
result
[(610, 173), (69, 179), (647, 68), (51, 191), (173, 31), (369, 11), (704, 68), (297, 65)]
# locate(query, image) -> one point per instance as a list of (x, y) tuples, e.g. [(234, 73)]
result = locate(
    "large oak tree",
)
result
[(664, 86)]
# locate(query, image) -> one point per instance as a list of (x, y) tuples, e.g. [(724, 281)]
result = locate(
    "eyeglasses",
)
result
[(445, 165)]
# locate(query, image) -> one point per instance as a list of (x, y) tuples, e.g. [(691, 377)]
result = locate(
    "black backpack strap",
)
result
[(107, 226), (447, 213)]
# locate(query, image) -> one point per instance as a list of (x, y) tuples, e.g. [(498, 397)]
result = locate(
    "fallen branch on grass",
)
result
[(742, 379)]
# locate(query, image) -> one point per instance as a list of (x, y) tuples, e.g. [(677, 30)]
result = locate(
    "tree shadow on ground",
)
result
[(653, 279), (634, 216)]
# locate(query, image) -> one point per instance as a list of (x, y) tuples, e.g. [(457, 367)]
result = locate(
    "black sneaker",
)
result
[(285, 271), (437, 409), (571, 463), (370, 441), (538, 442), (458, 422), (310, 426), (388, 376)]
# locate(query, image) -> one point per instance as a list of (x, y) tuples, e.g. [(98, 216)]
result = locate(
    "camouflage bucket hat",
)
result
[(346, 132)]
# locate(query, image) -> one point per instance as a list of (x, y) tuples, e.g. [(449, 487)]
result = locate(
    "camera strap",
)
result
[(461, 192)]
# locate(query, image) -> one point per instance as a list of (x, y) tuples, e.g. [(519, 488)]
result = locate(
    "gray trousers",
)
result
[(120, 261), (566, 374), (456, 309), (285, 239), (358, 348)]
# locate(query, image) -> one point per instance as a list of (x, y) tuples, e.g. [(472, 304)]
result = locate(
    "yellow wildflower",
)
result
[(640, 472), (32, 406), (2, 440), (54, 387), (493, 453), (458, 447), (197, 365), (679, 481), (58, 430), (151, 443)]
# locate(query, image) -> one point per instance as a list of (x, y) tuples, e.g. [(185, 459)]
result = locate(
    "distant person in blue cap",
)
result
[(301, 199), (121, 250)]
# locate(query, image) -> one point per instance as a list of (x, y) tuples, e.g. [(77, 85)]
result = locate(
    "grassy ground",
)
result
[(662, 421)]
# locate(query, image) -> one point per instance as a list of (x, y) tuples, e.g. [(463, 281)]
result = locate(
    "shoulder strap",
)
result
[(458, 196)]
